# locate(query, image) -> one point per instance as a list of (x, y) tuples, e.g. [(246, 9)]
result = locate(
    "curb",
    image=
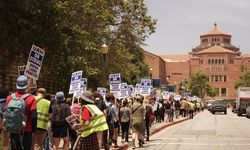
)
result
[(168, 125), (125, 147)]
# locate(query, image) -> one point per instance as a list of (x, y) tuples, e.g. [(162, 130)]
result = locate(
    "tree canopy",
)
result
[(244, 79), (72, 32), (199, 85)]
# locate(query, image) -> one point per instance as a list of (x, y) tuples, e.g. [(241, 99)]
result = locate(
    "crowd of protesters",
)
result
[(100, 119)]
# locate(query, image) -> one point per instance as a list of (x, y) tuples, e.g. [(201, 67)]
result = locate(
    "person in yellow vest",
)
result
[(92, 120), (43, 115), (191, 109)]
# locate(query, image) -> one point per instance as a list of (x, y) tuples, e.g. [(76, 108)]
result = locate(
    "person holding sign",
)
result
[(92, 120)]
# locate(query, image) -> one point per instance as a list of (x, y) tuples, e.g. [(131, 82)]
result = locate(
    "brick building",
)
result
[(215, 55)]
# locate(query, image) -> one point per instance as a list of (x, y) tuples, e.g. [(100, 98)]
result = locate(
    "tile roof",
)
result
[(245, 55), (175, 58), (215, 49), (215, 31)]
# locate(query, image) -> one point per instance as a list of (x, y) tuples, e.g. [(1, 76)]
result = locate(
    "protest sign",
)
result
[(103, 91), (124, 90), (145, 86), (75, 85), (34, 62), (115, 80), (21, 70)]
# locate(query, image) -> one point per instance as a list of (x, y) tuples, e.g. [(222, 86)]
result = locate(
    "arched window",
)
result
[(209, 61), (222, 61), (219, 61), (215, 61), (212, 61)]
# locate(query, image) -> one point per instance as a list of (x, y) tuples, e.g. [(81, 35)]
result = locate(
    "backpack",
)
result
[(168, 105), (58, 114), (14, 117), (109, 113)]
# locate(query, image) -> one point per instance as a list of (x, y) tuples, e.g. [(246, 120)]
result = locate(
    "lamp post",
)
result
[(167, 80), (104, 52)]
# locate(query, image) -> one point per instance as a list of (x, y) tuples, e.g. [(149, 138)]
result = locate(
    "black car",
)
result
[(219, 106)]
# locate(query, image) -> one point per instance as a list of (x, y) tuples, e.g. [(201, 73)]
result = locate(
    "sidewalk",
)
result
[(156, 127)]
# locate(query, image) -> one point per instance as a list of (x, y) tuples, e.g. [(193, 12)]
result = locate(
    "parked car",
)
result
[(209, 105), (248, 111), (219, 106)]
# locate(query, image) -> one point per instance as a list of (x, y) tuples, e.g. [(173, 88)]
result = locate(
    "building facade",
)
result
[(216, 56)]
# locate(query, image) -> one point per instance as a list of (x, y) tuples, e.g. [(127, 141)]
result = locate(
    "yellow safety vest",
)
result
[(42, 106), (97, 121)]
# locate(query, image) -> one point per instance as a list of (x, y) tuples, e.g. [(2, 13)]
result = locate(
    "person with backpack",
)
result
[(92, 120), (43, 114), (98, 100), (60, 111), (110, 114), (20, 118)]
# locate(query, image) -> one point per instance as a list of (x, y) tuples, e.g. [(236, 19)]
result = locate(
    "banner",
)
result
[(76, 78), (115, 80), (145, 86), (34, 62)]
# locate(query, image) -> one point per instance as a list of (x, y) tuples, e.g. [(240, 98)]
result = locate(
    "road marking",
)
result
[(209, 144)]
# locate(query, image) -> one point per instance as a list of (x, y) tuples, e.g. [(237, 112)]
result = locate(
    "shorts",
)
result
[(60, 131)]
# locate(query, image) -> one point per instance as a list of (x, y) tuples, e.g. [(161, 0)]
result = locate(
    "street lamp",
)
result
[(104, 51), (167, 80), (150, 73)]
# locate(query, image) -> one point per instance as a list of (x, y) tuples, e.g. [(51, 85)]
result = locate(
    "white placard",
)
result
[(34, 62), (76, 78)]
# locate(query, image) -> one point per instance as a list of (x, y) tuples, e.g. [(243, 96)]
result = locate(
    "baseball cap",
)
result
[(22, 82), (60, 96)]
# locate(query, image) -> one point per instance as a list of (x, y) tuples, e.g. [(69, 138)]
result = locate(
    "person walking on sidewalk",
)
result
[(138, 114), (177, 108), (43, 114), (125, 120), (149, 112), (92, 120), (191, 109), (183, 107), (22, 139), (60, 111)]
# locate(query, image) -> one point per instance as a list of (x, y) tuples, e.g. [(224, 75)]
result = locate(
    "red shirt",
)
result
[(85, 114), (30, 105)]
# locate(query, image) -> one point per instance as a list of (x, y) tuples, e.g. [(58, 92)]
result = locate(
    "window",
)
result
[(219, 61), (212, 61), (225, 78), (223, 91), (204, 41), (216, 79), (226, 40), (201, 61), (209, 61), (222, 61), (215, 61)]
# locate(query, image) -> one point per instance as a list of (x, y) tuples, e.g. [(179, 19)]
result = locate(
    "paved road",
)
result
[(205, 132)]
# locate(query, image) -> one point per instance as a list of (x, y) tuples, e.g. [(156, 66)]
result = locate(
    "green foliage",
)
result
[(199, 85), (244, 80), (72, 32)]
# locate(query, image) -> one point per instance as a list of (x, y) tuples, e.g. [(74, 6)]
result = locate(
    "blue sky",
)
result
[(181, 22)]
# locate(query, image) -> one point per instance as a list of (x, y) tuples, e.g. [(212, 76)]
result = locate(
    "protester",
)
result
[(111, 113), (43, 114), (92, 120), (149, 111), (75, 110), (21, 139), (138, 115), (191, 109), (183, 107), (125, 120), (177, 108), (60, 110), (98, 100)]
